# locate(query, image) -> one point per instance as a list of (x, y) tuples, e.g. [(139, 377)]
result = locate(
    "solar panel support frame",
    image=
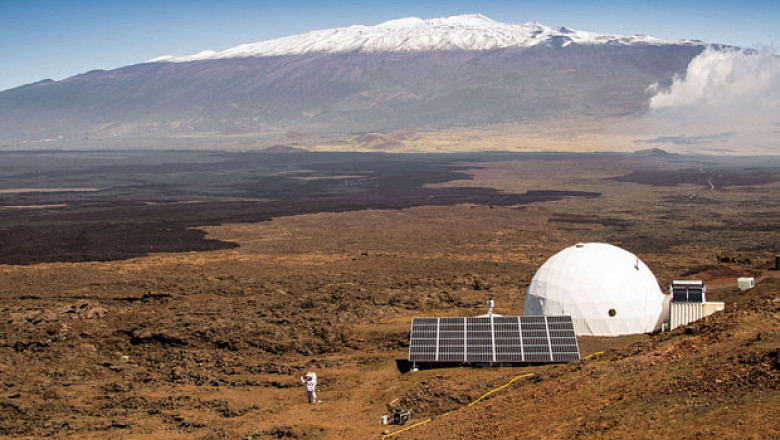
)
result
[(547, 330), (520, 333), (438, 326), (493, 337)]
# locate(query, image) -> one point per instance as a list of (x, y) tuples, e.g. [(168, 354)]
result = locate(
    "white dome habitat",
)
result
[(607, 290)]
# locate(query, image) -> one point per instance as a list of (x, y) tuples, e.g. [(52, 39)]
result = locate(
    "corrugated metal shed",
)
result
[(683, 313)]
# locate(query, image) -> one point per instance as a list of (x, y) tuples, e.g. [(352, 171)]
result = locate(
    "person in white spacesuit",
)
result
[(310, 380)]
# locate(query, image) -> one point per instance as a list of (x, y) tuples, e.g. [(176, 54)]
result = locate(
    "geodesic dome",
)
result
[(607, 290)]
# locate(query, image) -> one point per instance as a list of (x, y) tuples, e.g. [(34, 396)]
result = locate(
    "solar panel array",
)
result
[(687, 293), (496, 339)]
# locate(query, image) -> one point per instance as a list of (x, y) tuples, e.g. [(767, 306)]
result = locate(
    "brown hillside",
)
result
[(718, 378)]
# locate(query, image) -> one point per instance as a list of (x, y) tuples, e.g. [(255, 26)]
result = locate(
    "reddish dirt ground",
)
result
[(210, 344)]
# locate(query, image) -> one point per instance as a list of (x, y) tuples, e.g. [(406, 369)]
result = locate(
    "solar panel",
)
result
[(479, 340), (508, 344), (424, 339), (496, 339), (695, 295), (688, 294), (680, 294), (688, 291)]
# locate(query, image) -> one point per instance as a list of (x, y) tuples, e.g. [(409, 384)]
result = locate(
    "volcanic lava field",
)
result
[(181, 294)]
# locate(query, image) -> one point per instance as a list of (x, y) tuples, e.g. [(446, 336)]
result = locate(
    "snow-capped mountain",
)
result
[(462, 32), (403, 74)]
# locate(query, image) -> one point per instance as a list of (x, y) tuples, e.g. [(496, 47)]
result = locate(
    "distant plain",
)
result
[(223, 276)]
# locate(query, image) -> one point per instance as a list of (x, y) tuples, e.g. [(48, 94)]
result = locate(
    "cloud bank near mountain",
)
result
[(734, 92), (729, 82)]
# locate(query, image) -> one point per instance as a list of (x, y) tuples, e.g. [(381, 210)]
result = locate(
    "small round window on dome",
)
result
[(612, 312)]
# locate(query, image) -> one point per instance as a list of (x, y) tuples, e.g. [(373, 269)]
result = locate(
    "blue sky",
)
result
[(58, 38)]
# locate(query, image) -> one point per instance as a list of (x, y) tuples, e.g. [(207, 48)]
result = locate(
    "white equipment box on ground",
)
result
[(746, 283)]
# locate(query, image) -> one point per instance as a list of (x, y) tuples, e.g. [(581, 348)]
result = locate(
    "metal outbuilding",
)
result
[(689, 303)]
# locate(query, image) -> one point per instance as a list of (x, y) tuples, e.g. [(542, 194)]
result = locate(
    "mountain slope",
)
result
[(340, 92)]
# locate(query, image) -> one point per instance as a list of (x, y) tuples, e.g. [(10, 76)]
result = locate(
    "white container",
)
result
[(384, 420), (683, 313), (746, 283)]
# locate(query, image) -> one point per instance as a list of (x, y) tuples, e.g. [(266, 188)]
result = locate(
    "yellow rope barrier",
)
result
[(592, 354), (449, 412), (499, 388), (481, 397)]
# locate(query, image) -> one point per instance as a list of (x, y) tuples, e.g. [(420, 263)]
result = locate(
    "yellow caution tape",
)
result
[(472, 403)]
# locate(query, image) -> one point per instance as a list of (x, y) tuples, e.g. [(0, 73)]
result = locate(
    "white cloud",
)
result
[(727, 102), (725, 81)]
